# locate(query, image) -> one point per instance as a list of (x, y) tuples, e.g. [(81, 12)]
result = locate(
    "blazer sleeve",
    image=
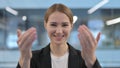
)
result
[(32, 65), (18, 66), (96, 64), (33, 61)]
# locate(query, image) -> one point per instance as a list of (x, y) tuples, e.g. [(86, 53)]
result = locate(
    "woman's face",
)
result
[(58, 27)]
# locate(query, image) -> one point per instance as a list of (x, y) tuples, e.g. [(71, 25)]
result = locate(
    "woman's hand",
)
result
[(24, 42), (88, 44)]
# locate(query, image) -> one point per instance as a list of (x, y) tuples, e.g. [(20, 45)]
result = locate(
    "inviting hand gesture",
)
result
[(88, 44), (24, 42)]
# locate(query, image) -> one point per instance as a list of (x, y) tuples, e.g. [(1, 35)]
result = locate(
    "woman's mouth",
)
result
[(58, 37)]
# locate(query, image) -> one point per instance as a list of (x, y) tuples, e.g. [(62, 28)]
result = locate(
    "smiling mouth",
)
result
[(58, 37)]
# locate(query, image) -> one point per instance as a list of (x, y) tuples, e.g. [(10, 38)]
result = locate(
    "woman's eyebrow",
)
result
[(53, 22), (65, 22)]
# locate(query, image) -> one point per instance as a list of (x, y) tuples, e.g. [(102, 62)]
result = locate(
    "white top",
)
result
[(60, 62)]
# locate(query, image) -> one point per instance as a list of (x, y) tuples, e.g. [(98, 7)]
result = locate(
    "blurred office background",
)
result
[(99, 15)]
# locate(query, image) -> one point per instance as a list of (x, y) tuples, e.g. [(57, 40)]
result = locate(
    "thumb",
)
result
[(19, 32), (98, 37)]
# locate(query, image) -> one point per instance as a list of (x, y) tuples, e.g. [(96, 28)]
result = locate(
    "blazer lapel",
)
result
[(46, 59), (74, 58)]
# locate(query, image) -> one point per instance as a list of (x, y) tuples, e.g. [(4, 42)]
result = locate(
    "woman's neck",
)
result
[(59, 50)]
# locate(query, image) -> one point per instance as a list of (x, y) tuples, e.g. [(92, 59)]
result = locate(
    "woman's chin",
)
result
[(58, 42)]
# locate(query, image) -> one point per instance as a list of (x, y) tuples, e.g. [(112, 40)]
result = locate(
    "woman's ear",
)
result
[(45, 25)]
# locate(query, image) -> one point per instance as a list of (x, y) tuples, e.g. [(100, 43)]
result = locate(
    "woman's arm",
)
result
[(89, 45), (24, 42)]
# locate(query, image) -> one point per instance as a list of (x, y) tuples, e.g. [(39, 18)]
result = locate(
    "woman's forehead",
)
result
[(58, 16)]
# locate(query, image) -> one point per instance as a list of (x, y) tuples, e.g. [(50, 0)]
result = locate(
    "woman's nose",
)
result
[(59, 30)]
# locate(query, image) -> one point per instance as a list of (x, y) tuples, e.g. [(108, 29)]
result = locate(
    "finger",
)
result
[(23, 36), (25, 39), (81, 41), (89, 42), (32, 28), (28, 42), (98, 37), (85, 31), (84, 42), (91, 37), (85, 50), (19, 32), (82, 38), (88, 31), (26, 45)]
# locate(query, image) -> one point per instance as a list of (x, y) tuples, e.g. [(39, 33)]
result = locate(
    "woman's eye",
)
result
[(53, 24), (65, 25)]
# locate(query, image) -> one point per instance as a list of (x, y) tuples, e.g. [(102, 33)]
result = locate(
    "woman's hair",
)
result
[(60, 8)]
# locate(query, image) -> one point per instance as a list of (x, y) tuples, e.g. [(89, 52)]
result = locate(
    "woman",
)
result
[(58, 22)]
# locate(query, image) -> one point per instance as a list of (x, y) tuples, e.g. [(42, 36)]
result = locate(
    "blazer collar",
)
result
[(73, 57), (72, 50)]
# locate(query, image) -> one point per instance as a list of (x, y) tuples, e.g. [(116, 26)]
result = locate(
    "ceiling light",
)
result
[(93, 9), (12, 11), (24, 18), (74, 19), (113, 21)]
